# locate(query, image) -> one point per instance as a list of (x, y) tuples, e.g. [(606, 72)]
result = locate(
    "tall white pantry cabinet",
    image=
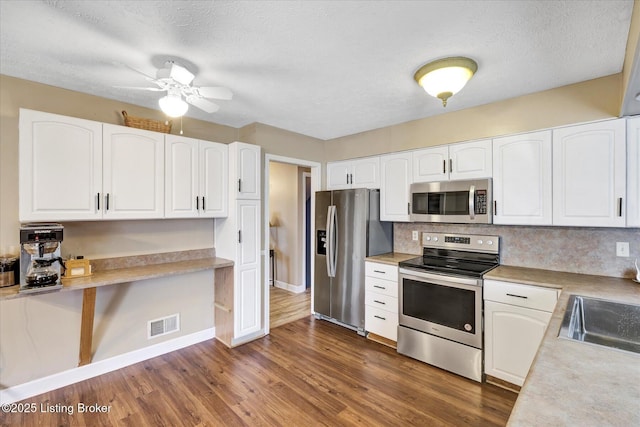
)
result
[(238, 238)]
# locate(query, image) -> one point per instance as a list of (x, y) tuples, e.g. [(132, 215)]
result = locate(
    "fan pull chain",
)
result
[(180, 125)]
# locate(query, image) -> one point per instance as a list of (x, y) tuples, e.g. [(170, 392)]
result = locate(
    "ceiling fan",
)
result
[(176, 81)]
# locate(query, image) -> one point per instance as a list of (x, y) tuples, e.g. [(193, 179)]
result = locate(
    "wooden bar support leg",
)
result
[(86, 325)]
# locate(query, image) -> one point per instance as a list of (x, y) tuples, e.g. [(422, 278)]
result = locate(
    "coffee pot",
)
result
[(41, 272)]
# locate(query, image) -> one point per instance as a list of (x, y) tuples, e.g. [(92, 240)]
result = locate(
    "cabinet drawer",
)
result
[(536, 297), (381, 271), (381, 301), (381, 322), (381, 286)]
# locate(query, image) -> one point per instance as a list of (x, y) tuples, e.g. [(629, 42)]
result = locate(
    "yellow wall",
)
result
[(581, 102)]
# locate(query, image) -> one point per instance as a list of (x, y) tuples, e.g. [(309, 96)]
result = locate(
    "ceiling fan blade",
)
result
[(214, 92), (203, 104), (148, 77), (153, 89)]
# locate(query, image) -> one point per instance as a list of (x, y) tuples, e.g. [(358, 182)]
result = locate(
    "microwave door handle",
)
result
[(472, 202)]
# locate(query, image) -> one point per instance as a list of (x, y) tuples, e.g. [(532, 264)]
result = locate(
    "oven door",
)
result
[(444, 306)]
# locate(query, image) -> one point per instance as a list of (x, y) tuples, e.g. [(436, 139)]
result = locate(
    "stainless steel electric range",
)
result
[(440, 297)]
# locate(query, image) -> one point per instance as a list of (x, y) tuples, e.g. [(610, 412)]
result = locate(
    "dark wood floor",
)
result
[(305, 373)]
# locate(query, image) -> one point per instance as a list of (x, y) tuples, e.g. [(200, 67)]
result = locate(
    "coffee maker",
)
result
[(40, 261)]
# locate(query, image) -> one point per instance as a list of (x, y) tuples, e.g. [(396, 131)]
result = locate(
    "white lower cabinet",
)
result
[(381, 300), (516, 317)]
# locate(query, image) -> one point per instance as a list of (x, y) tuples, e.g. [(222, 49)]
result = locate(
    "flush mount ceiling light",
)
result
[(445, 77), (172, 104)]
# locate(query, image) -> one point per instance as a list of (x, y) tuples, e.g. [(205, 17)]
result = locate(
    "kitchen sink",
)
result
[(601, 322)]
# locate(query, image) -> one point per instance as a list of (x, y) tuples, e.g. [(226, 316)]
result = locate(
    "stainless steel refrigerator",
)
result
[(348, 229)]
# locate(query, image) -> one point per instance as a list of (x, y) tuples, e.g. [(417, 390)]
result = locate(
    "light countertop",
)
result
[(392, 258), (127, 274), (572, 383)]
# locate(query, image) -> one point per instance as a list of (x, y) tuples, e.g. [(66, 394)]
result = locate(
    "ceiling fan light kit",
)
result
[(445, 77), (173, 105)]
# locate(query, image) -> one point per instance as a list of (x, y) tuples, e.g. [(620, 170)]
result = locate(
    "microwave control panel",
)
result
[(481, 201)]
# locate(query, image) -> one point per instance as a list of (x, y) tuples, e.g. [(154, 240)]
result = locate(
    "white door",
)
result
[(633, 172), (471, 160), (512, 337), (60, 167), (181, 177), (247, 295), (396, 178), (522, 179), (338, 175), (214, 175), (589, 174), (366, 173), (133, 174), (248, 167), (431, 164)]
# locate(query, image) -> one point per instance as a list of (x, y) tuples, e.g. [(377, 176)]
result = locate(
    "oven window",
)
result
[(442, 305)]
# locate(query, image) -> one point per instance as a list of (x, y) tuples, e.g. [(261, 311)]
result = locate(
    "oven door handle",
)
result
[(439, 278), (472, 202)]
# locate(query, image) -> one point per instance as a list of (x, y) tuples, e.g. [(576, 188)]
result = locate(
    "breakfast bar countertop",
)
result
[(127, 274), (574, 383)]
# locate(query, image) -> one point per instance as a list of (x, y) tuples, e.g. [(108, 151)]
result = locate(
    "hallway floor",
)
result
[(287, 306)]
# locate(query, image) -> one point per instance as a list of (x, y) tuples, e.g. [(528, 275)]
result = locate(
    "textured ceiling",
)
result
[(321, 68)]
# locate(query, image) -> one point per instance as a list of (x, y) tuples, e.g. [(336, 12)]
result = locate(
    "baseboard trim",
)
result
[(297, 289), (502, 384), (81, 373)]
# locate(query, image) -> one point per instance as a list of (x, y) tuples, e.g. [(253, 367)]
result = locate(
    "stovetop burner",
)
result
[(456, 254)]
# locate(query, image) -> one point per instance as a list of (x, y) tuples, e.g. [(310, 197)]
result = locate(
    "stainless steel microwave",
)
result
[(468, 201)]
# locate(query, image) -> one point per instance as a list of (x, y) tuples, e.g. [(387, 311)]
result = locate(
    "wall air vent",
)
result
[(163, 326)]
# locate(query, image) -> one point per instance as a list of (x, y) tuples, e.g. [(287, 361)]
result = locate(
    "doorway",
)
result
[(290, 185)]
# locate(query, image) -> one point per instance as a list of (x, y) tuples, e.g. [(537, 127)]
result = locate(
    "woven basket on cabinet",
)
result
[(148, 124)]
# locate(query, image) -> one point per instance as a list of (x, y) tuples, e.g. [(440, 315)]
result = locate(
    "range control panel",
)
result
[(469, 242)]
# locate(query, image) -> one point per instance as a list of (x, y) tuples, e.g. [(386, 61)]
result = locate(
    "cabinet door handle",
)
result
[(379, 317), (379, 287), (619, 206), (203, 208), (197, 203), (380, 302), (98, 201), (517, 296), (239, 185), (347, 178), (106, 202), (444, 166), (495, 208), (351, 175), (450, 165), (379, 271), (408, 208), (239, 236)]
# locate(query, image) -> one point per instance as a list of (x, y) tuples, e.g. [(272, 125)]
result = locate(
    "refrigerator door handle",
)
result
[(331, 241)]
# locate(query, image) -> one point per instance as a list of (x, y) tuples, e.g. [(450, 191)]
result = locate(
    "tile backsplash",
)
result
[(570, 249)]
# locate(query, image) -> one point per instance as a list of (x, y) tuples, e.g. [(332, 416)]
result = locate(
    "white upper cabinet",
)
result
[(431, 164), (195, 178), (133, 173), (522, 179), (357, 173), (244, 169), (467, 160), (589, 174), (395, 179), (633, 172), (60, 167)]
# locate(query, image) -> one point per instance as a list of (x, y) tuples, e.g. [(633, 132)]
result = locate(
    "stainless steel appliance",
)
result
[(440, 297), (348, 229), (40, 261), (452, 201)]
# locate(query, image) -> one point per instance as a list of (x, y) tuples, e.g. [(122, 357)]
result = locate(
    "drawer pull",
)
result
[(378, 271), (380, 302), (379, 287), (517, 296), (379, 317)]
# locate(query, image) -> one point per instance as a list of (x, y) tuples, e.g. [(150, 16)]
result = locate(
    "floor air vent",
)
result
[(163, 326)]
